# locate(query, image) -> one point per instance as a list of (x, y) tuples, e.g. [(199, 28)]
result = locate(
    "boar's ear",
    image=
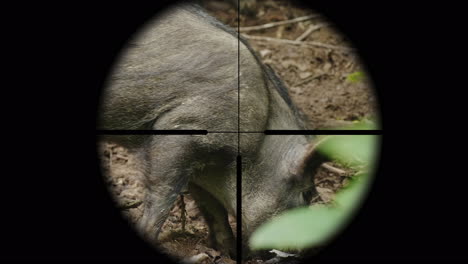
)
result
[(309, 162)]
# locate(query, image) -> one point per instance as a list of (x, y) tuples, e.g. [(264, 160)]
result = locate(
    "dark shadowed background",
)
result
[(55, 205)]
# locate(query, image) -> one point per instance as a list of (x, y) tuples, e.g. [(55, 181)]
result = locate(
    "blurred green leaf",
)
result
[(355, 150), (365, 124), (348, 198), (355, 77), (306, 227), (297, 228)]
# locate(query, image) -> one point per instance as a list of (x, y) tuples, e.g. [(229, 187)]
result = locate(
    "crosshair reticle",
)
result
[(247, 111)]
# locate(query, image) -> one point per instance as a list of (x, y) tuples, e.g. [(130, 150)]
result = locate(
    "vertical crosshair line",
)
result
[(238, 159), (238, 77)]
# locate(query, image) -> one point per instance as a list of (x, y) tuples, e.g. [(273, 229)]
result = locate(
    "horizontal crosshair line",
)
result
[(152, 132), (324, 132), (266, 132), (236, 132)]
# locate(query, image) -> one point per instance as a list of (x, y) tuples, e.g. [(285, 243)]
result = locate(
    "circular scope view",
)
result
[(242, 130)]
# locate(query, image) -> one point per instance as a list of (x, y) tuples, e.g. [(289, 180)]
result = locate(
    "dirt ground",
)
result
[(318, 82), (315, 76)]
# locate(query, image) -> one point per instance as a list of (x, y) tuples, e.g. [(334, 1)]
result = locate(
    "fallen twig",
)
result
[(308, 79), (294, 42), (333, 169), (311, 29), (275, 24)]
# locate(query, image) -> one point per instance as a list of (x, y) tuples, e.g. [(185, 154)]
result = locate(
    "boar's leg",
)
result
[(168, 170), (220, 232)]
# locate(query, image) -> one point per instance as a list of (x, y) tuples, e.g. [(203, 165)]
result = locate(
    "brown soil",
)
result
[(317, 81), (316, 77)]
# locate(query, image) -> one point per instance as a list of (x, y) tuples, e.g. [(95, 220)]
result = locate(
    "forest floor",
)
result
[(318, 82)]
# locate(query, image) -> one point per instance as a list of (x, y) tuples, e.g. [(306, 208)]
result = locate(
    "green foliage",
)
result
[(355, 77), (307, 227), (296, 229), (352, 151)]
